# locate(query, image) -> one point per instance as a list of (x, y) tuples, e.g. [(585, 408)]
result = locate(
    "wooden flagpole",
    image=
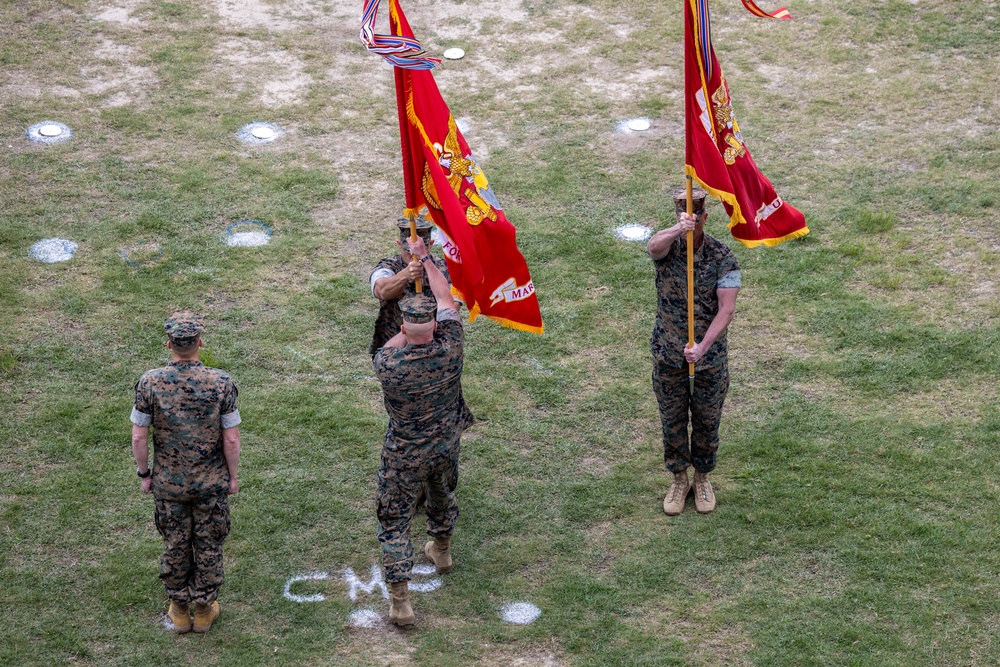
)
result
[(690, 267), (413, 237)]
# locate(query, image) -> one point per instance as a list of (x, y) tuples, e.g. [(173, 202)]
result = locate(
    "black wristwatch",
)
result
[(425, 258), (149, 472)]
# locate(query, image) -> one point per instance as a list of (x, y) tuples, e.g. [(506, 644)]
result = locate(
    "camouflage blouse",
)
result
[(715, 267), (389, 317), (187, 404), (421, 386)]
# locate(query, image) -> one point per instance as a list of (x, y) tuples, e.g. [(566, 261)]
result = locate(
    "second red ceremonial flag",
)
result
[(715, 153), (440, 173)]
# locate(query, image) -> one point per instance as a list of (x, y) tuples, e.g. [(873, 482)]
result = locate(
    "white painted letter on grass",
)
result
[(311, 576)]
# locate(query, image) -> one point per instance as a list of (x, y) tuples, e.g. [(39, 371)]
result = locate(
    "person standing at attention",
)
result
[(196, 452), (717, 282)]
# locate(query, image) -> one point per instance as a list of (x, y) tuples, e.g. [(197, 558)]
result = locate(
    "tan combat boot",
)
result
[(400, 612), (673, 503), (205, 615), (180, 616), (439, 551), (704, 496)]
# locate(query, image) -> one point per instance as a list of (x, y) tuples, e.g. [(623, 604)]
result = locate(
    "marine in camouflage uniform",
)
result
[(193, 412), (391, 278), (420, 370), (390, 282), (717, 281)]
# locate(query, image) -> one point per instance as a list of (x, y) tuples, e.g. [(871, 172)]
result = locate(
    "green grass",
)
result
[(857, 488)]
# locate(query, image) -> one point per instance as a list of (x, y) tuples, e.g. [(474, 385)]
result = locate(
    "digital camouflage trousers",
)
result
[(400, 478), (193, 533), (678, 410)]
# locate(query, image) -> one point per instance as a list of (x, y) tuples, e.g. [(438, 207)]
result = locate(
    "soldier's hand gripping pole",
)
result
[(690, 286)]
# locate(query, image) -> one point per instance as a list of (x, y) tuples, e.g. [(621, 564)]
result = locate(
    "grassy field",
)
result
[(858, 486)]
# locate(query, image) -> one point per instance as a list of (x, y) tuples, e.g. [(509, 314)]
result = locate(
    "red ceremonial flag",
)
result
[(715, 153), (440, 173)]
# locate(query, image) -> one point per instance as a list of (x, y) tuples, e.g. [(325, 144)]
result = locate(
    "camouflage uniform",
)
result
[(389, 317), (715, 267), (422, 394), (188, 405)]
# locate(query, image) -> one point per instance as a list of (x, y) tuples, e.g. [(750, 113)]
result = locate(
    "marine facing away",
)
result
[(196, 452), (420, 370)]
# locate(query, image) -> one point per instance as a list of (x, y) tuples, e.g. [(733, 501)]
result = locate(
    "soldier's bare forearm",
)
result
[(722, 319), (439, 286), (140, 447), (231, 449), (659, 244), (391, 287)]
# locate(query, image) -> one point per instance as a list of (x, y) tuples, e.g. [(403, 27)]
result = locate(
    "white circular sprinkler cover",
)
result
[(248, 234), (638, 124), (633, 232), (520, 613), (454, 54), (260, 133), (49, 132), (51, 251)]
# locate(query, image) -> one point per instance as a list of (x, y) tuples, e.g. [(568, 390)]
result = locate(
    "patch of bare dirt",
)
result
[(114, 75), (611, 83), (457, 21), (119, 12), (25, 85), (494, 656), (270, 16), (277, 74)]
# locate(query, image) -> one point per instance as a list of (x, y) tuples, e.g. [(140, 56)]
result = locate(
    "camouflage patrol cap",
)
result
[(418, 308), (423, 229), (183, 325), (698, 197)]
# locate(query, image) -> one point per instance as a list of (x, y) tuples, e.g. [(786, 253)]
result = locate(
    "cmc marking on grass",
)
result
[(425, 586), (364, 618), (54, 250), (357, 585), (308, 576), (49, 132), (259, 132), (633, 232), (248, 234), (520, 613), (632, 125), (141, 254)]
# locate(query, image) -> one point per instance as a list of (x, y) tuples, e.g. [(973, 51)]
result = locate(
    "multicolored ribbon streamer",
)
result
[(757, 11), (399, 51)]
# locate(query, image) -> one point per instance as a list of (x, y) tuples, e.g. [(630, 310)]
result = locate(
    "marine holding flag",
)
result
[(716, 155), (716, 285), (441, 175)]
